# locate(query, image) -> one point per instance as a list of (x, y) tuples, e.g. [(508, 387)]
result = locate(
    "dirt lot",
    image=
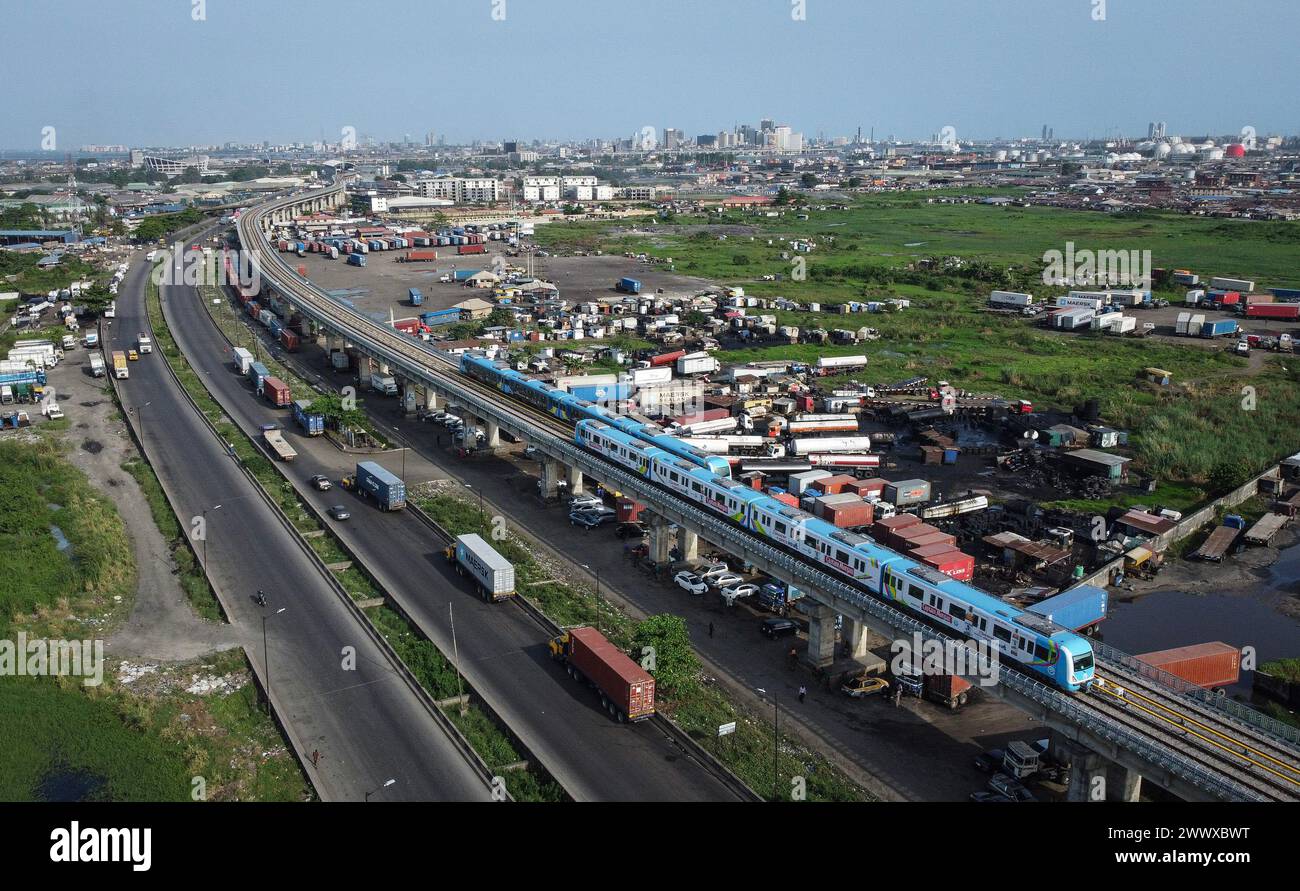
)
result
[(162, 625)]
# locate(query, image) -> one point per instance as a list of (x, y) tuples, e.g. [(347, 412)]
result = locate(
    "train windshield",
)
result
[(1083, 662)]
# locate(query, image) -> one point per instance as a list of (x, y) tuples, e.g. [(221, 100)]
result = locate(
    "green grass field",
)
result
[(1194, 437)]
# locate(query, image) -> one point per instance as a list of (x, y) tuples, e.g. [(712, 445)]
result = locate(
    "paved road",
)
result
[(367, 723), (502, 649)]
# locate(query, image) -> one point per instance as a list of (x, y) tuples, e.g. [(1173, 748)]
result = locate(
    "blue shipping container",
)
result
[(441, 317), (356, 260), (258, 373), (312, 423), (629, 285), (1078, 608), (376, 482), (1218, 328), (603, 392), (417, 298), (1286, 295)]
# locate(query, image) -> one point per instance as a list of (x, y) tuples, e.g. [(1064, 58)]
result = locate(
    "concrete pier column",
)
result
[(661, 539), (858, 638), (575, 481), (688, 543), (492, 432), (383, 368), (821, 635), (1122, 784), (548, 486), (430, 399), (1086, 768)]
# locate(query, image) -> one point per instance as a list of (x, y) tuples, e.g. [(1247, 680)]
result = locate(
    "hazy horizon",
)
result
[(146, 73)]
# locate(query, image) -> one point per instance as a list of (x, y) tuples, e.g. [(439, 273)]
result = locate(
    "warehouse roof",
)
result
[(1092, 456)]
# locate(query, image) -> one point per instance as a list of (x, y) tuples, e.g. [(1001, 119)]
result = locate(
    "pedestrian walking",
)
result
[(315, 757), (803, 691), (710, 629)]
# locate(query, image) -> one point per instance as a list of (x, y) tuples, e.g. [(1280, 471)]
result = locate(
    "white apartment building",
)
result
[(461, 189)]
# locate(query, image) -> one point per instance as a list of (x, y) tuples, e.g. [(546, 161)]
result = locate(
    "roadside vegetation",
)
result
[(147, 731), (431, 668), (683, 692)]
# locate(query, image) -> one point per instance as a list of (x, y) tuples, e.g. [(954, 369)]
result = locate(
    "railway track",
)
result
[(1253, 763)]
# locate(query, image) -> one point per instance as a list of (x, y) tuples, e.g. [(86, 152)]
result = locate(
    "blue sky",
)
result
[(144, 72)]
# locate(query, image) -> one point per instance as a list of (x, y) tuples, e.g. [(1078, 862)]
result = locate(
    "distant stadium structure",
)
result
[(176, 166)]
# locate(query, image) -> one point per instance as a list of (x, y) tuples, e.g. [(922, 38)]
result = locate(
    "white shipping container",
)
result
[(841, 361), (243, 359), (1194, 296), (1010, 298), (1232, 284), (1184, 319)]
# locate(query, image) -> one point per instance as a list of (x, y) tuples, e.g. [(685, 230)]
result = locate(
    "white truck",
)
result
[(144, 344), (1010, 299), (51, 410), (97, 367), (384, 383), (243, 359), (493, 574)]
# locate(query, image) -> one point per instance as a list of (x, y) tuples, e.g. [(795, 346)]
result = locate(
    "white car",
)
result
[(725, 580), (737, 592), (691, 583), (585, 502), (710, 570)]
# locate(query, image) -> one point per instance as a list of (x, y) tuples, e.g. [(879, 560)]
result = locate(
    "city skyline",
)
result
[(768, 64)]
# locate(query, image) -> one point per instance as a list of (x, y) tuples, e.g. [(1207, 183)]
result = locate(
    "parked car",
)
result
[(990, 761), (321, 483), (738, 592), (691, 583), (709, 570), (725, 580), (775, 628), (590, 518), (531, 452), (339, 512), (864, 685), (983, 797), (584, 501), (1012, 789)]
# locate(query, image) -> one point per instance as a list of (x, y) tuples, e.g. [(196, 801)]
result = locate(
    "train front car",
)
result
[(1075, 670)]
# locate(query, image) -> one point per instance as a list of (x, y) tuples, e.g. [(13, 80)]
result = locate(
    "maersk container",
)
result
[(356, 259), (377, 483), (1080, 607), (494, 574), (257, 374)]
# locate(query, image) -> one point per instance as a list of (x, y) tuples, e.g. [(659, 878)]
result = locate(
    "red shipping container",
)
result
[(849, 515), (668, 359), (626, 684), (253, 308), (956, 564), (834, 485), (1208, 665), (290, 339), (882, 530), (629, 511), (1287, 311), (902, 538), (865, 487), (471, 249), (407, 326), (787, 498), (420, 256), (1230, 298), (934, 538), (276, 391), (302, 270)]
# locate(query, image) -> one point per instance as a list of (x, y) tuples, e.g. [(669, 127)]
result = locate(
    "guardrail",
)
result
[(724, 534)]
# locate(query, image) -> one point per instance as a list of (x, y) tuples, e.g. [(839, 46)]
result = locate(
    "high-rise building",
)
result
[(510, 147), (673, 138)]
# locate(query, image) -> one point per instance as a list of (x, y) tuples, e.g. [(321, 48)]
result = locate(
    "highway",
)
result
[(1215, 765), (502, 648), (366, 723)]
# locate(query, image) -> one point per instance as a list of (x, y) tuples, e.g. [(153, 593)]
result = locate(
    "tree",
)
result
[(676, 667), (783, 195), (808, 180), (96, 299)]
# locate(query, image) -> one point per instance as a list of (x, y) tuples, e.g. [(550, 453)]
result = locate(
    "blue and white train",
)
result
[(1060, 655), (1055, 653), (564, 405)]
